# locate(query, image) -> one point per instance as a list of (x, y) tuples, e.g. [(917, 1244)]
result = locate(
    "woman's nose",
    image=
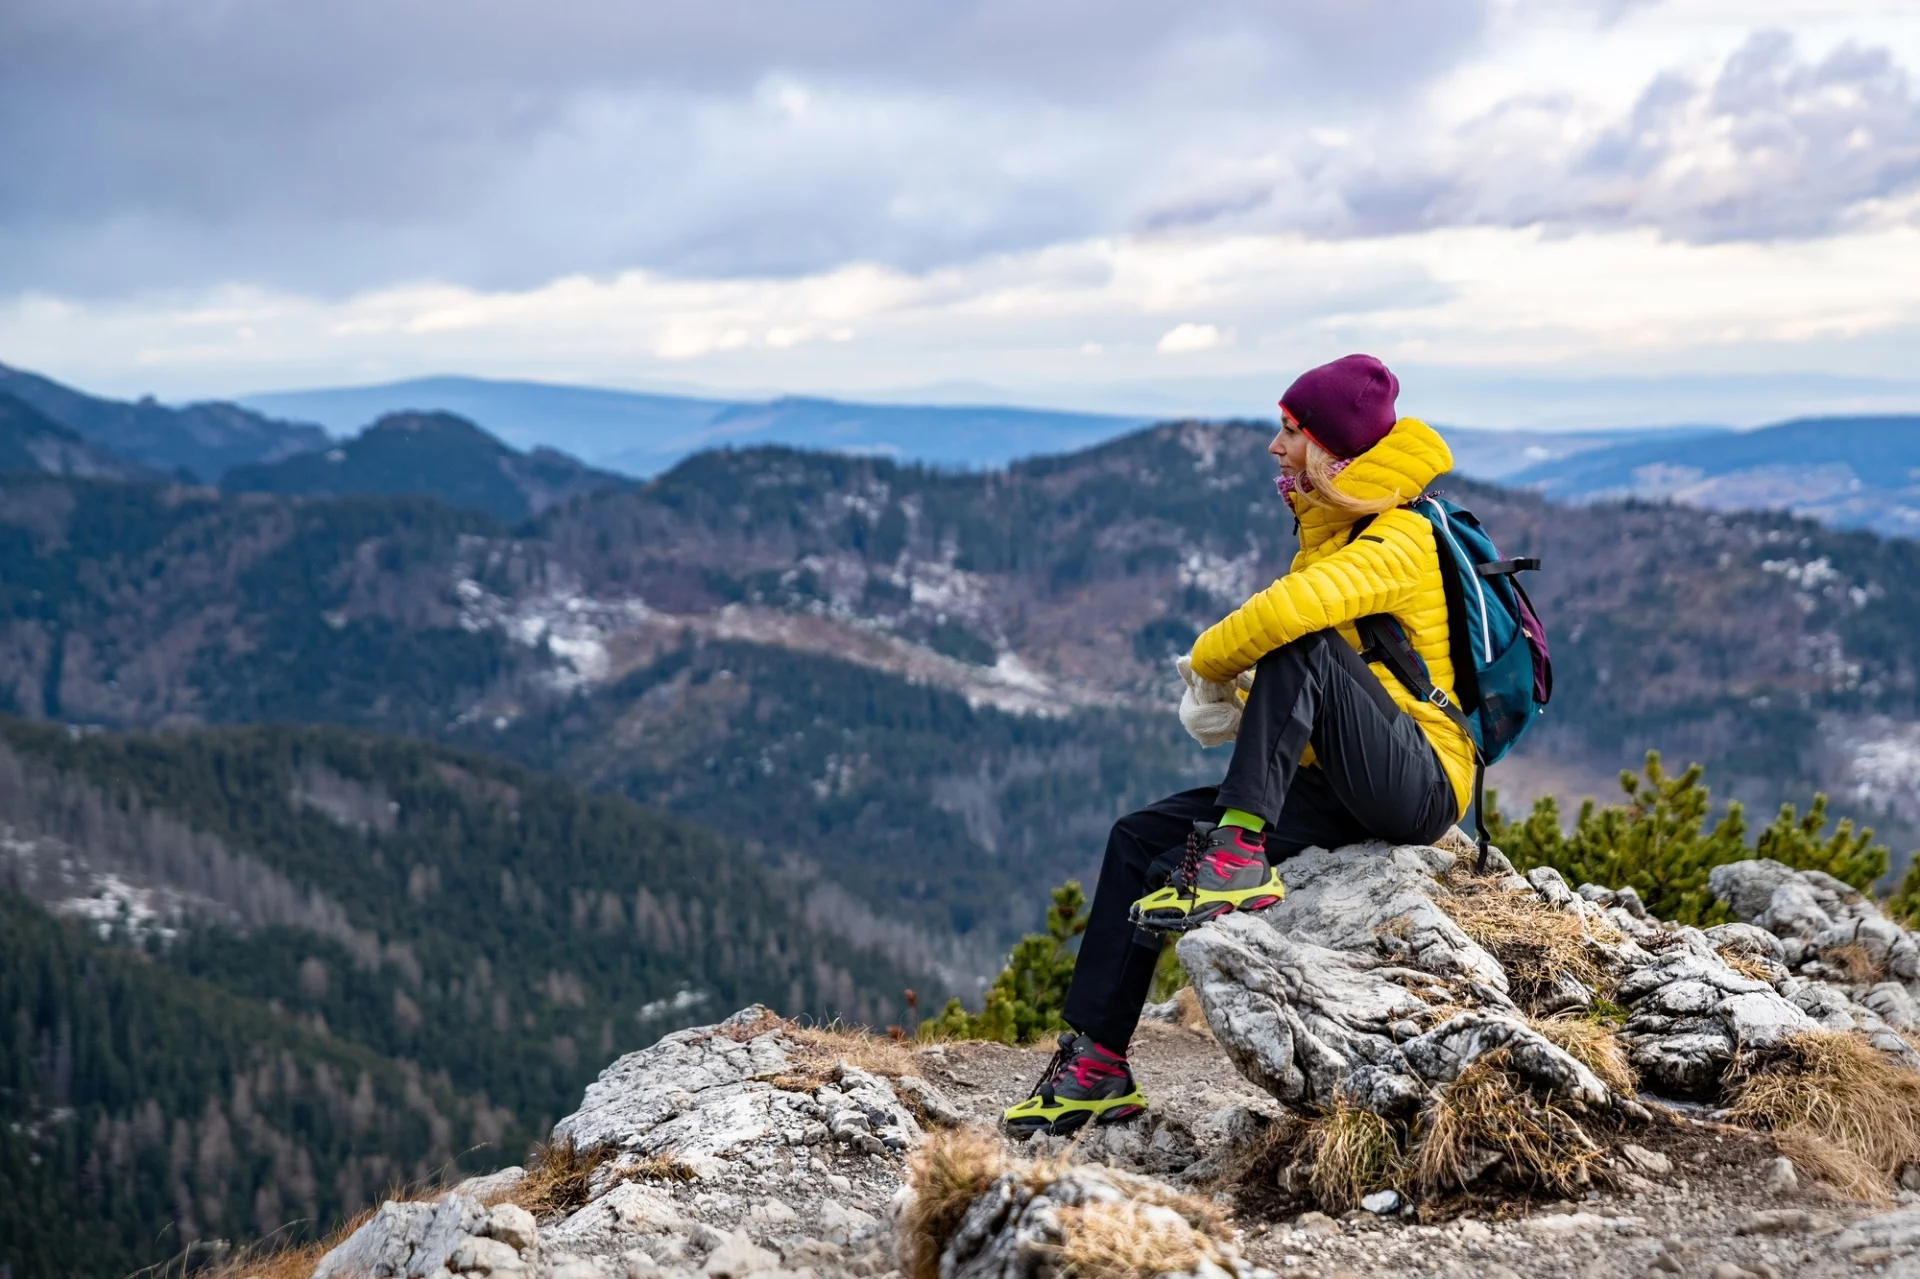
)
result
[(1276, 447)]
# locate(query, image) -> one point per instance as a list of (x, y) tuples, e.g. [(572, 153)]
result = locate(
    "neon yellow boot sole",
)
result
[(1036, 1114), (1179, 910)]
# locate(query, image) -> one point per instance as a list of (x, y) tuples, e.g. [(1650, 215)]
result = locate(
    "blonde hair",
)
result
[(1322, 490)]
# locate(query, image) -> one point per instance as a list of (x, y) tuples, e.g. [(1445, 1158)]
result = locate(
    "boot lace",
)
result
[(1061, 1056), (1188, 876)]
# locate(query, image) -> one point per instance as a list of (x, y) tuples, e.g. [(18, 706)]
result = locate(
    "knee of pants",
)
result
[(1302, 646), (1129, 843)]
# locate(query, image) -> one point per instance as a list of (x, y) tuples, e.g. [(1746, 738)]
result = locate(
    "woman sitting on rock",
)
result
[(1330, 749)]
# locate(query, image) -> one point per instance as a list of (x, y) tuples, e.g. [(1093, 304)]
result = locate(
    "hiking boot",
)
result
[(1225, 869), (1083, 1081)]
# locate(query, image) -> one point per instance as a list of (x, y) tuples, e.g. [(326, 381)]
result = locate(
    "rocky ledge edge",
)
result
[(756, 1148)]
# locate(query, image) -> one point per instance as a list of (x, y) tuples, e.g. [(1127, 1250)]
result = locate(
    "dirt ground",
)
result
[(1718, 1211)]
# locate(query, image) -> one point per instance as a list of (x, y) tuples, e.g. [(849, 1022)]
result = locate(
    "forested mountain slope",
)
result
[(292, 965), (143, 1110), (429, 455), (947, 680)]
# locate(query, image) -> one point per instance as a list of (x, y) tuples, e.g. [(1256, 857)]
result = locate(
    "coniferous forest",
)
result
[(300, 965)]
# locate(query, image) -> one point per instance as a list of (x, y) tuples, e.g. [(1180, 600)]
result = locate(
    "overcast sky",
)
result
[(1094, 202)]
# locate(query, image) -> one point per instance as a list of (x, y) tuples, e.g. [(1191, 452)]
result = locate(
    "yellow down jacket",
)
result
[(1335, 580)]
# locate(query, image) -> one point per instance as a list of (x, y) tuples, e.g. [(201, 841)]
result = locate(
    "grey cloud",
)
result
[(1772, 146), (333, 146)]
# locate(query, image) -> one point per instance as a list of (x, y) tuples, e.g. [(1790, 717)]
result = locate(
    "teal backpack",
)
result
[(1502, 672)]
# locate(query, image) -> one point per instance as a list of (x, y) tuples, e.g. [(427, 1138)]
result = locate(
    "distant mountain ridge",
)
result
[(1848, 472), (200, 440), (642, 434), (32, 441), (430, 455)]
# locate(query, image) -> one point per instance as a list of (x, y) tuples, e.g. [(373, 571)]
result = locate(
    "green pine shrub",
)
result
[(1903, 906), (1025, 1001), (1661, 843)]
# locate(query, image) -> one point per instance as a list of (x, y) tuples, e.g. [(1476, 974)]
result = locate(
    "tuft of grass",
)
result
[(877, 1054), (652, 1168), (1748, 964), (1131, 1241), (1488, 1109), (1187, 1012), (1854, 1113), (558, 1175), (766, 1022), (1853, 964), (1532, 941), (1354, 1152), (1595, 1044), (1841, 1170), (946, 1174)]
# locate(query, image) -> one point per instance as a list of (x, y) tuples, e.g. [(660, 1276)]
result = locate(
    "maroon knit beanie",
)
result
[(1345, 407)]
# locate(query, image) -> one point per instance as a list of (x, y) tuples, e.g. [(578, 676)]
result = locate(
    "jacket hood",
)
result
[(1407, 459)]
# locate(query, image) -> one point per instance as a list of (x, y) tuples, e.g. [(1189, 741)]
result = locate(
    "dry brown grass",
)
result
[(266, 1259), (1748, 965), (1354, 1152), (1855, 1114), (1593, 1044), (857, 1046), (1853, 964), (767, 1022), (947, 1174), (653, 1168), (1488, 1109), (1131, 1241), (1187, 1012), (1532, 941), (557, 1177)]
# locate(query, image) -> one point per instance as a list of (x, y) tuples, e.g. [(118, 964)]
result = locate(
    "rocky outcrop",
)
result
[(714, 1095), (1026, 1223), (752, 1150), (1826, 948), (1359, 984), (720, 1152), (434, 1240)]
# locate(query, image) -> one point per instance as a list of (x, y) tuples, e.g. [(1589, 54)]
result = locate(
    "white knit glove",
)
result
[(1210, 711)]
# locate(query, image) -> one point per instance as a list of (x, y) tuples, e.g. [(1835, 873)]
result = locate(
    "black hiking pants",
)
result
[(1376, 777)]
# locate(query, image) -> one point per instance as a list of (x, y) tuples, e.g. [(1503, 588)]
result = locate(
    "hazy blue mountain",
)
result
[(32, 441), (642, 434), (1498, 456), (1849, 472), (430, 455), (202, 440)]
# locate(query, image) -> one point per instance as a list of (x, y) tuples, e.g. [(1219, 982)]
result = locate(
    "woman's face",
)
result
[(1290, 445)]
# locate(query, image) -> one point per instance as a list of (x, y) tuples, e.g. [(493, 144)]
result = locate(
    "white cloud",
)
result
[(1479, 298), (1184, 339)]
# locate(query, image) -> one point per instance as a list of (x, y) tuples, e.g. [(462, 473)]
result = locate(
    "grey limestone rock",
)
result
[(1312, 998), (1897, 1231), (1014, 1229), (707, 1096), (404, 1241), (1746, 939)]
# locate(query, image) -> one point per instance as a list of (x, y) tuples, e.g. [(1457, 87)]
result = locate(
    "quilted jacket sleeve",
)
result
[(1374, 573)]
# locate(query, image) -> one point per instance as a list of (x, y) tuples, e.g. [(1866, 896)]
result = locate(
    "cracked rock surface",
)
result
[(1354, 985)]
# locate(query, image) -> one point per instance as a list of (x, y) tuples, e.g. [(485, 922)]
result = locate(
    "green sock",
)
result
[(1245, 821)]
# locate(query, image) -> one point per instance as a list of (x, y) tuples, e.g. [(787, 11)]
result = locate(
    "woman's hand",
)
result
[(1210, 710)]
